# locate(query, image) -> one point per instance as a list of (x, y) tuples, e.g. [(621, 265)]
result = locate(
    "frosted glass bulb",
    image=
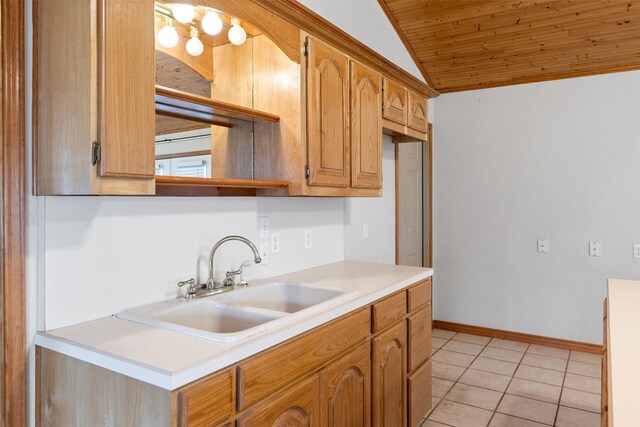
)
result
[(211, 23), (168, 36), (183, 12), (237, 35), (195, 46)]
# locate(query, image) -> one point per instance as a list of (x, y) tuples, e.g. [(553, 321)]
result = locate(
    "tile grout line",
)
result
[(564, 377)]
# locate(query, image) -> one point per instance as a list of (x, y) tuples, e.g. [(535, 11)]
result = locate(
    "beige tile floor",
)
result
[(480, 381)]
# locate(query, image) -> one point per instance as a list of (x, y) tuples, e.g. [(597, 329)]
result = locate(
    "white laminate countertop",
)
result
[(170, 359), (624, 352)]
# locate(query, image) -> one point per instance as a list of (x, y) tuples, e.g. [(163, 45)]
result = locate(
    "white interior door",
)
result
[(410, 232)]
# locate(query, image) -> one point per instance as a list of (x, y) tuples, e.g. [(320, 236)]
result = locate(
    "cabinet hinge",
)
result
[(307, 172), (305, 49), (95, 153)]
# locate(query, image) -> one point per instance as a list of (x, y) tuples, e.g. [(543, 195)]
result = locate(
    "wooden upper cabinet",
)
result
[(389, 374), (395, 102), (327, 115), (346, 389), (366, 127), (94, 83), (417, 119)]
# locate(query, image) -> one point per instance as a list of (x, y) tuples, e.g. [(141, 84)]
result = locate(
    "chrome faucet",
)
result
[(211, 283)]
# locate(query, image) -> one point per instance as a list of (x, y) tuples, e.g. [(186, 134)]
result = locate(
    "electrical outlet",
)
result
[(307, 239), (275, 243), (264, 227), (365, 231), (636, 250), (595, 249), (543, 246), (264, 251)]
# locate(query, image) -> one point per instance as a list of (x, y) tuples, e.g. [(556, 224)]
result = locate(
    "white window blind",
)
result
[(192, 169)]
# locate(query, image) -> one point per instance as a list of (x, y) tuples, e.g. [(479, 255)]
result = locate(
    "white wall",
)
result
[(557, 160), (378, 213)]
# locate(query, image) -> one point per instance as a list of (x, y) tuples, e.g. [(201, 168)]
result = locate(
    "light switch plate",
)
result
[(636, 250), (543, 246), (264, 227), (264, 251), (307, 239), (595, 249), (365, 231)]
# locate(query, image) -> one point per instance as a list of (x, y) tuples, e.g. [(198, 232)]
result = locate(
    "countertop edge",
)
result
[(178, 378)]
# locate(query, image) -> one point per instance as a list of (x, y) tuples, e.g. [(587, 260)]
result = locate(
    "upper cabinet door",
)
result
[(126, 88), (394, 102), (417, 113), (327, 115), (366, 130)]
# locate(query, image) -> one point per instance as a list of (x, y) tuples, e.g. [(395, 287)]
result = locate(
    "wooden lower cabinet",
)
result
[(389, 375), (340, 374), (297, 406), (346, 389)]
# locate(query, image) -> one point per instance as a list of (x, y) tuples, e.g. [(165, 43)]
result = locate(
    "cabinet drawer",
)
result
[(394, 103), (206, 402), (419, 295), (388, 311), (419, 330), (295, 406), (263, 374), (419, 391), (417, 119)]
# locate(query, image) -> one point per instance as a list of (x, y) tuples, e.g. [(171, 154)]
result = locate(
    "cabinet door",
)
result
[(346, 390), (419, 393), (206, 402), (394, 102), (297, 406), (419, 330), (417, 119), (327, 115), (389, 376), (366, 127), (126, 90)]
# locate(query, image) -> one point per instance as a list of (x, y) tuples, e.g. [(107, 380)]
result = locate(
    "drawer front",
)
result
[(419, 392), (417, 119), (419, 295), (388, 311), (419, 330), (295, 406), (206, 402), (395, 102), (263, 374)]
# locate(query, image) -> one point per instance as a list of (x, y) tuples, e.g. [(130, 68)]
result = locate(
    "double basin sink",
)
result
[(240, 313)]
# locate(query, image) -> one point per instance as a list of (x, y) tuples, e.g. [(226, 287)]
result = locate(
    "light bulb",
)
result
[(168, 36), (237, 34), (211, 23), (194, 45), (183, 13)]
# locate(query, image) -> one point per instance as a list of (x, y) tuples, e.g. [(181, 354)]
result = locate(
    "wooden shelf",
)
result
[(183, 105), (180, 186)]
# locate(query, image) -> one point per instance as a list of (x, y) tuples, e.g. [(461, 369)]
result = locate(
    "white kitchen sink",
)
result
[(240, 313)]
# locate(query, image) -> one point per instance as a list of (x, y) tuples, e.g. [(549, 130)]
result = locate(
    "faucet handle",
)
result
[(192, 289)]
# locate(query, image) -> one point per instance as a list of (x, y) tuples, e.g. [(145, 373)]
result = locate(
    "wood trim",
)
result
[(397, 219), (13, 354), (405, 42), (518, 336), (184, 154), (205, 187), (309, 21), (430, 149)]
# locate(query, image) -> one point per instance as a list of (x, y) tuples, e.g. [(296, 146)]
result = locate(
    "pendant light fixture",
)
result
[(168, 36), (184, 13), (211, 23), (194, 45), (237, 34)]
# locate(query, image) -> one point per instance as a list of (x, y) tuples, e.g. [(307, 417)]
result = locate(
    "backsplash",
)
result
[(106, 254)]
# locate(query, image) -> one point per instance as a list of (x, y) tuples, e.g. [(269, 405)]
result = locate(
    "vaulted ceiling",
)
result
[(470, 44)]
